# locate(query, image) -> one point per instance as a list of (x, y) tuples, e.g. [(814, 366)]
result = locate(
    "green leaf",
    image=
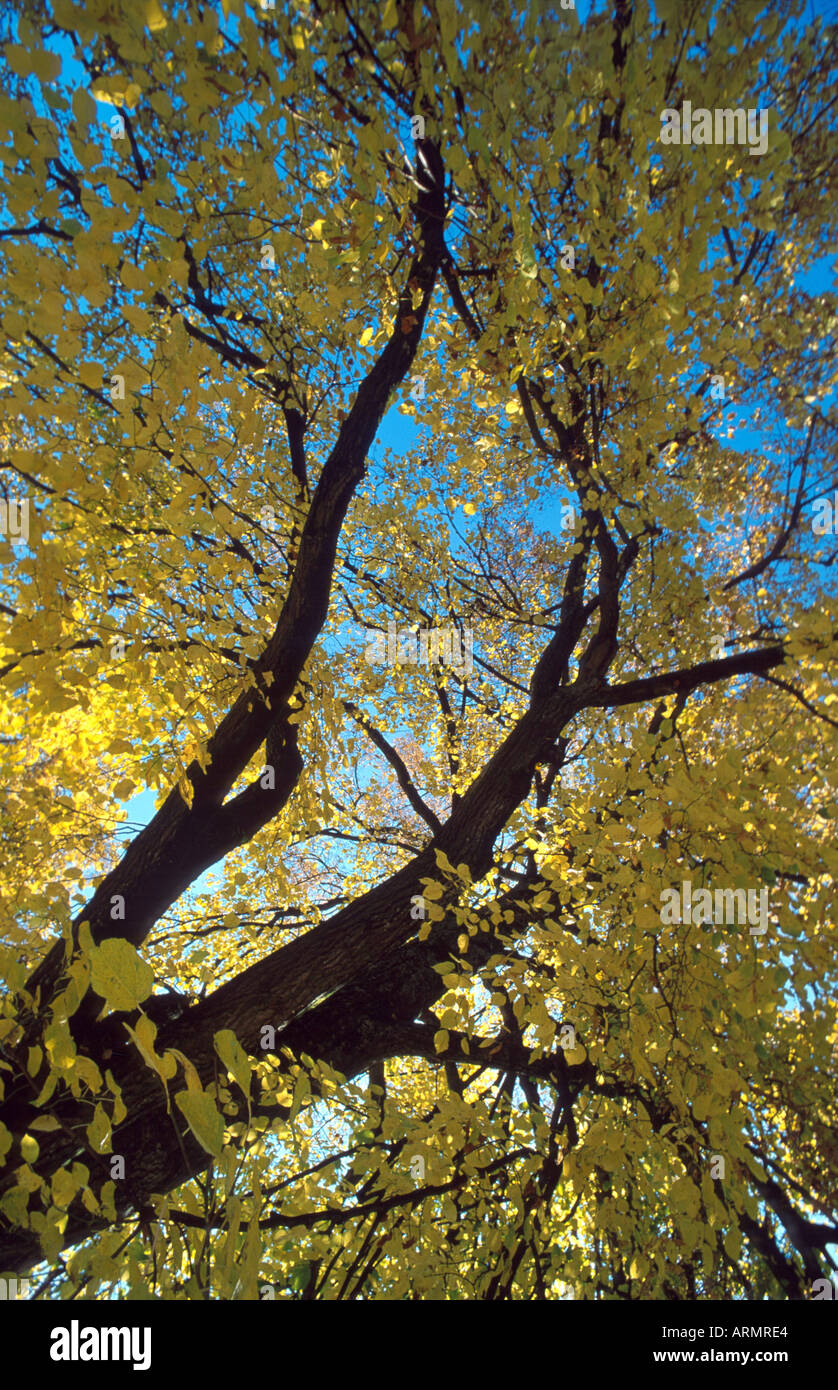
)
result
[(234, 1057), (198, 1109), (299, 1277)]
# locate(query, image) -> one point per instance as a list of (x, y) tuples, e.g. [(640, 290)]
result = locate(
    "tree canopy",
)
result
[(417, 489)]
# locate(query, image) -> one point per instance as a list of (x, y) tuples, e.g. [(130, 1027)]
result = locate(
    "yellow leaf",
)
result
[(30, 1148), (99, 1130), (366, 336), (193, 1081), (64, 1187), (45, 1122), (144, 1035), (733, 1244), (234, 1057), (119, 1110), (154, 16), (86, 1070), (46, 66), (685, 1199), (198, 1109), (120, 975)]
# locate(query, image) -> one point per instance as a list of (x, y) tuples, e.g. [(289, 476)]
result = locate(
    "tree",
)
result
[(453, 721)]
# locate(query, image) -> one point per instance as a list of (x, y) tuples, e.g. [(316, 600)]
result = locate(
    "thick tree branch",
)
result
[(687, 679)]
